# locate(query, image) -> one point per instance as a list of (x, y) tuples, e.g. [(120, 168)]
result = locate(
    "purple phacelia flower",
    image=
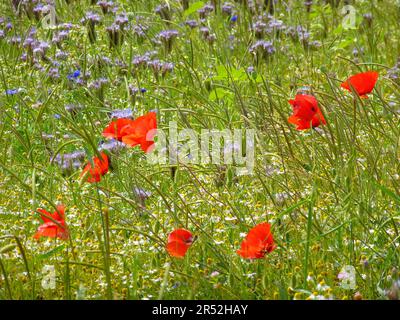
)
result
[(66, 26), (394, 73), (265, 46), (90, 20), (205, 11), (302, 34), (141, 193), (315, 44), (105, 5), (121, 20), (227, 8), (160, 67), (40, 48), (211, 38), (112, 146), (140, 30), (367, 16), (61, 55), (29, 42), (262, 49), (133, 90), (259, 28), (141, 60), (164, 11), (121, 113), (16, 40), (191, 23), (298, 34), (98, 83), (46, 136), (115, 35), (276, 24), (91, 17), (205, 31), (70, 161), (251, 69), (73, 109), (60, 36), (368, 19), (53, 73), (167, 37), (308, 4)]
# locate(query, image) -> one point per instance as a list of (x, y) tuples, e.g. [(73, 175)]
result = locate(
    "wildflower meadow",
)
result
[(199, 150)]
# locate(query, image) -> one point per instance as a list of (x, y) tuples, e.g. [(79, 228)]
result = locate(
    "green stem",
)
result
[(106, 255)]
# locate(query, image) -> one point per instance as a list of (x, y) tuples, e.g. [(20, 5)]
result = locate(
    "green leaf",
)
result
[(388, 192), (239, 75), (234, 74), (338, 30), (344, 44), (218, 93), (48, 254), (193, 8), (8, 248)]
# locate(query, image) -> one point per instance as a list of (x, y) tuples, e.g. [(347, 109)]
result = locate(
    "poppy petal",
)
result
[(257, 243), (114, 129), (362, 83), (177, 249), (100, 168), (306, 112)]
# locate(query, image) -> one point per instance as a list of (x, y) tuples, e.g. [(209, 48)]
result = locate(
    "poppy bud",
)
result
[(185, 4), (308, 4), (394, 291), (164, 11), (269, 5), (368, 18), (357, 296)]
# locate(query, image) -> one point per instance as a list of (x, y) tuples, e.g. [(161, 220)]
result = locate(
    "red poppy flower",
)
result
[(306, 112), (179, 242), (362, 83), (141, 131), (114, 129), (53, 229), (99, 169), (258, 242)]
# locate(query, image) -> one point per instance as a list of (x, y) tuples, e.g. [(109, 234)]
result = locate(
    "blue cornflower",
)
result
[(11, 92), (234, 18), (74, 75), (143, 90)]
